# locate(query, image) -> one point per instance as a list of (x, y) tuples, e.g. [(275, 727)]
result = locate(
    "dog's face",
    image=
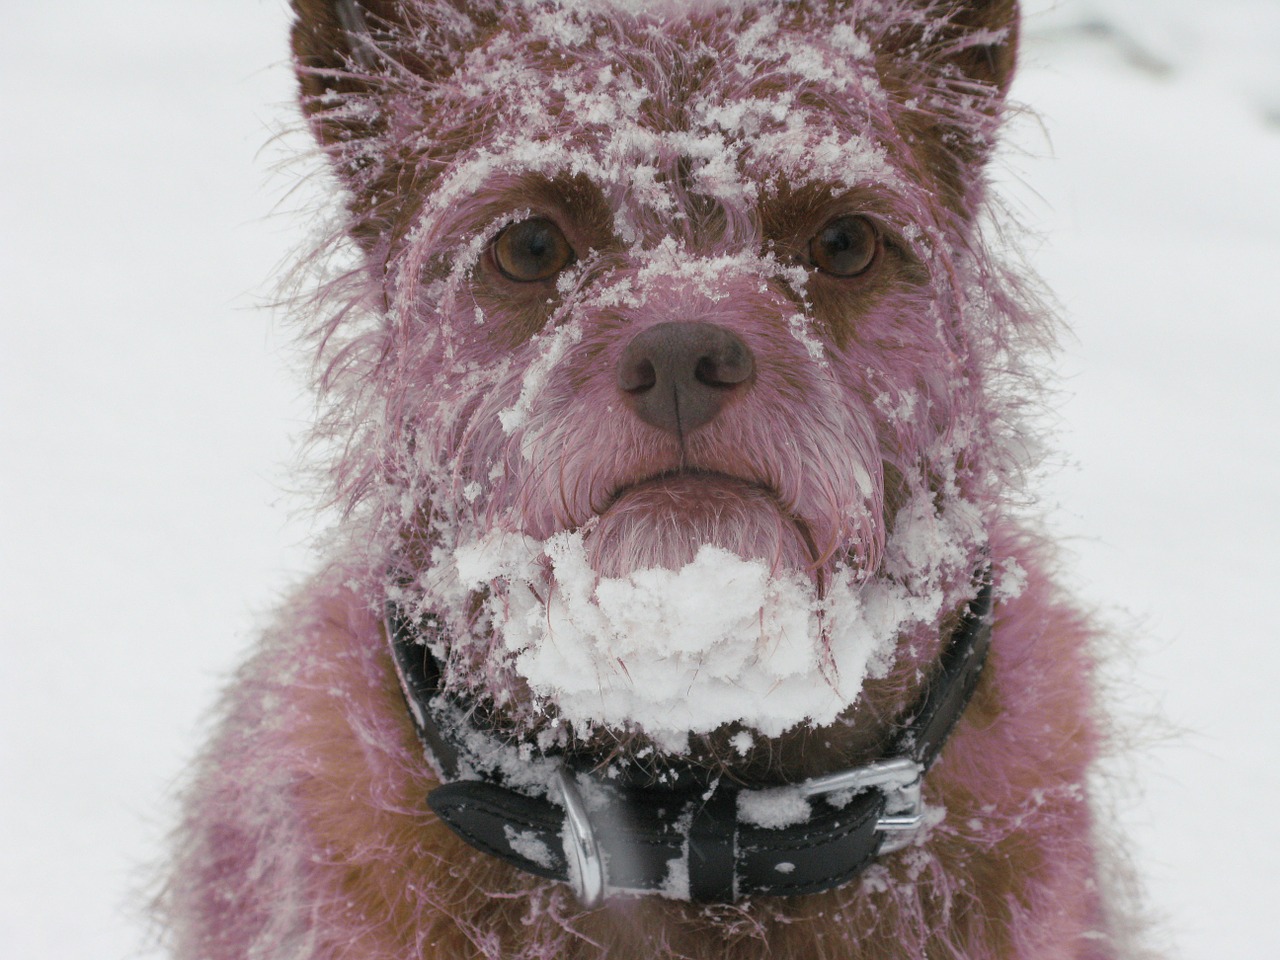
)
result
[(662, 313)]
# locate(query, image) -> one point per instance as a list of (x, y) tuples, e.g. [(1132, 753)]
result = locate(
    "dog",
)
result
[(684, 603)]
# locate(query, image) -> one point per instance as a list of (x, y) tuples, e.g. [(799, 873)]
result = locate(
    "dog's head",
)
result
[(671, 359)]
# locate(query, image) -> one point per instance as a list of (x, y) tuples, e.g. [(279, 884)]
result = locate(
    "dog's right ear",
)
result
[(359, 65)]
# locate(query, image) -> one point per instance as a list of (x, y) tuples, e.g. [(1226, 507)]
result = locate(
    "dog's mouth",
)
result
[(693, 482), (662, 521)]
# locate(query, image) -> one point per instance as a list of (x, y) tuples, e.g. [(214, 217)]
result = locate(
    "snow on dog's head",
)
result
[(670, 375)]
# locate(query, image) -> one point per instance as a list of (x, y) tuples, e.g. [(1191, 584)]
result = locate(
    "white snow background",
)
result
[(147, 417)]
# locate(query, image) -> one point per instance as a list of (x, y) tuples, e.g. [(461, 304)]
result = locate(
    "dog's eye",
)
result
[(845, 247), (531, 250)]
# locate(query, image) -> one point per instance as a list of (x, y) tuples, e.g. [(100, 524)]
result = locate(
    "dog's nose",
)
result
[(678, 376)]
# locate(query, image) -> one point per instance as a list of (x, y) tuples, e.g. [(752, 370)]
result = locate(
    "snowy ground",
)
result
[(147, 414)]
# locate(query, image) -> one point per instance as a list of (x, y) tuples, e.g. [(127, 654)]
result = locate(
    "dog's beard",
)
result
[(691, 603)]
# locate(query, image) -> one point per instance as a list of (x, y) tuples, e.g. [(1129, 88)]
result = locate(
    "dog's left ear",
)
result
[(985, 41)]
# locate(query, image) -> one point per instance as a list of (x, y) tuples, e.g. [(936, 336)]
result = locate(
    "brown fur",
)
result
[(307, 834)]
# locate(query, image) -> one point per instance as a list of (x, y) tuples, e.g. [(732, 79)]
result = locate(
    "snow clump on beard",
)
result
[(722, 639)]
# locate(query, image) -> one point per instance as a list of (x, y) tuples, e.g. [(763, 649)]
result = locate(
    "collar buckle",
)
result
[(899, 779), (582, 852)]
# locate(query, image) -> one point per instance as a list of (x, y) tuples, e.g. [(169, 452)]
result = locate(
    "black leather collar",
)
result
[(683, 838)]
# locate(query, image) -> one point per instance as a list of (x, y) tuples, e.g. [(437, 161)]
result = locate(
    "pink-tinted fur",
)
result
[(306, 834)]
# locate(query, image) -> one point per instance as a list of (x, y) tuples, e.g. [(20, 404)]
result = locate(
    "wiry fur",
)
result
[(457, 403)]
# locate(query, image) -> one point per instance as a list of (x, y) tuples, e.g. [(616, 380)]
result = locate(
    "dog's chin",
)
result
[(663, 523)]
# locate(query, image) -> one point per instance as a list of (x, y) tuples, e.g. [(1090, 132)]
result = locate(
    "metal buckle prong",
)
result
[(899, 779), (890, 774), (586, 867)]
